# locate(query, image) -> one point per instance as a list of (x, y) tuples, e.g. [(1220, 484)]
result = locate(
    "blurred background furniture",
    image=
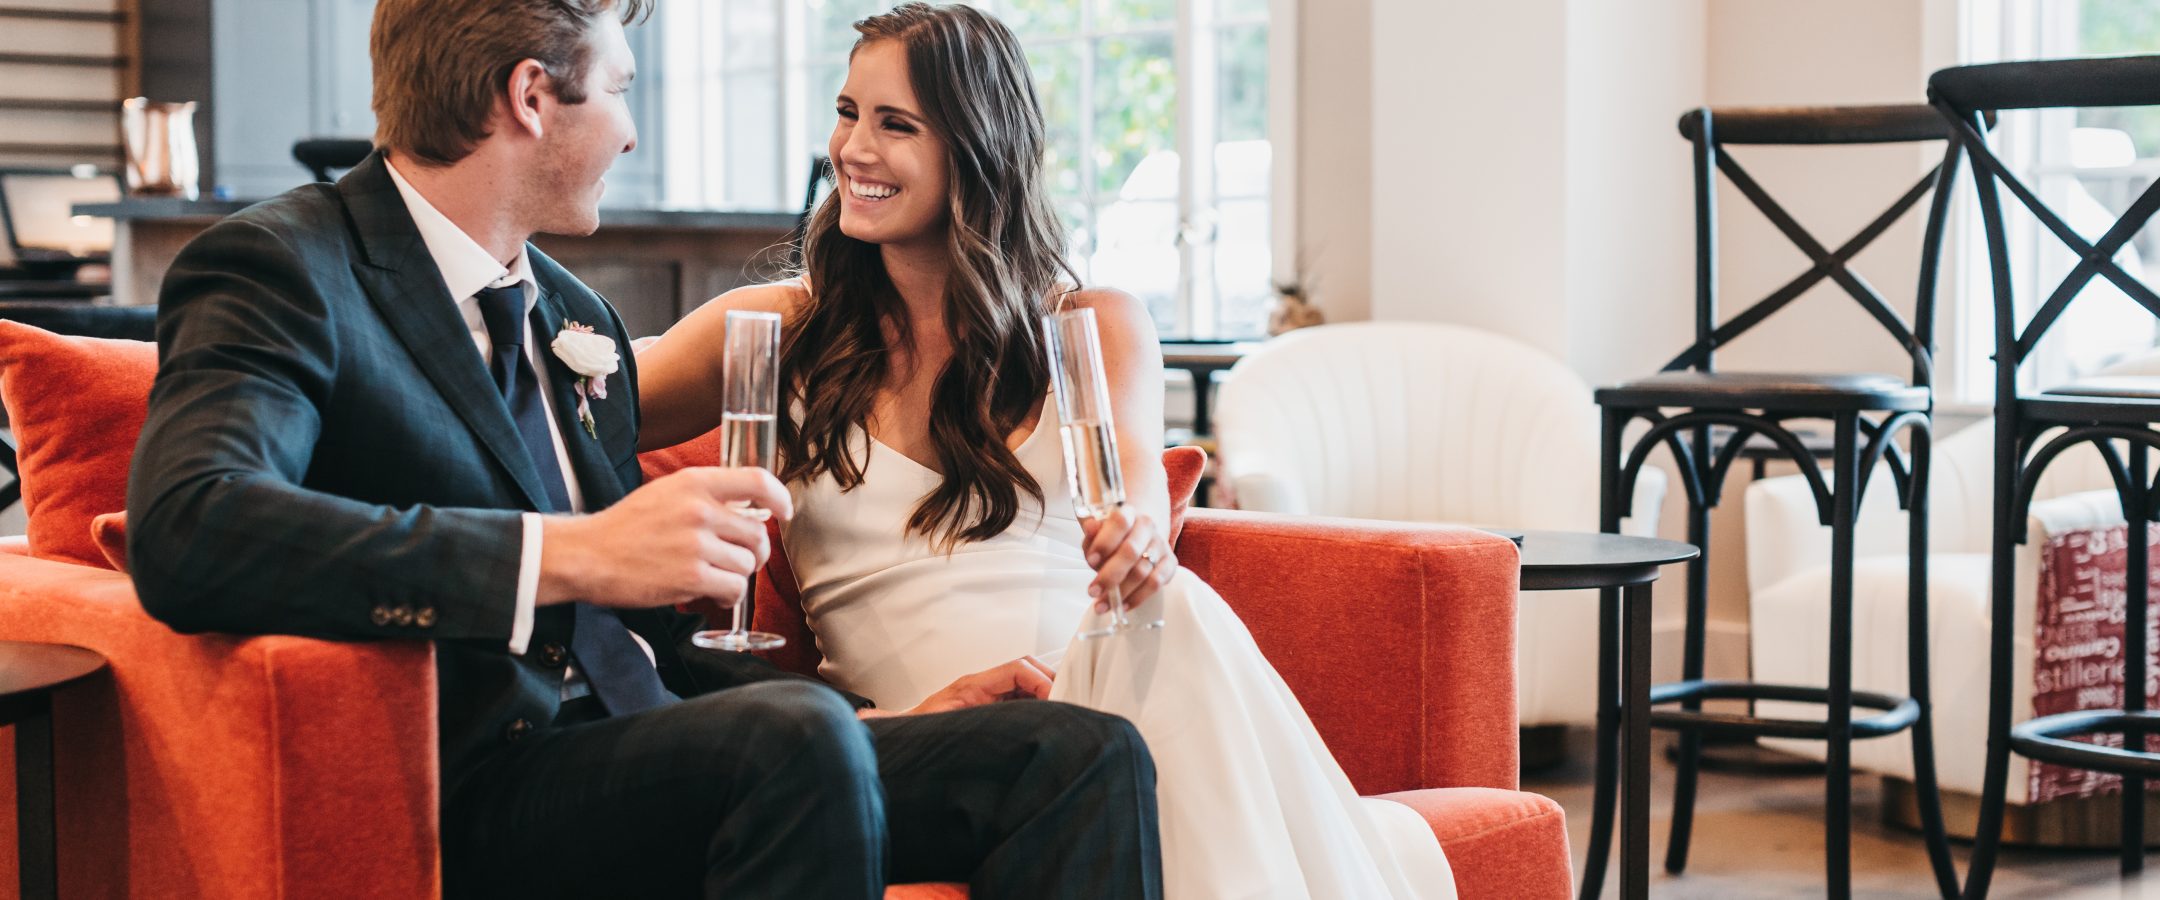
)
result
[(1788, 555), (325, 156), (1622, 567), (1689, 397), (1420, 422), (2114, 416)]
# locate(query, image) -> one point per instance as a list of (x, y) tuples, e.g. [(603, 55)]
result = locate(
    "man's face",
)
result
[(581, 140)]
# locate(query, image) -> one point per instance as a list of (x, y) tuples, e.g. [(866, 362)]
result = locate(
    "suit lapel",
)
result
[(401, 278), (588, 456)]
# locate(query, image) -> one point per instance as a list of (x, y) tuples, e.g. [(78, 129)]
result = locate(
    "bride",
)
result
[(933, 533)]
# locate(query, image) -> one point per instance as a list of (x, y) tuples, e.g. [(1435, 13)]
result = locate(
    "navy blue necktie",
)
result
[(618, 672)]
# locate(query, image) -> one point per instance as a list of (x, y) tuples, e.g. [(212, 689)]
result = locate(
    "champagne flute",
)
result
[(1092, 469), (749, 404)]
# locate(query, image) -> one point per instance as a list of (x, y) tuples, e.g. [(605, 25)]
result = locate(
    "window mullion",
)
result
[(1194, 61), (1086, 48)]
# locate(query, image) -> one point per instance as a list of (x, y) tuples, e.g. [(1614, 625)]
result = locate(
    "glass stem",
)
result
[(741, 612)]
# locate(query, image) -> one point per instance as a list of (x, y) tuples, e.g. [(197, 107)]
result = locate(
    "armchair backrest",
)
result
[(1410, 422), (1710, 131)]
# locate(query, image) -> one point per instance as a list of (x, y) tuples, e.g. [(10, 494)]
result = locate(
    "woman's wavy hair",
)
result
[(1006, 248)]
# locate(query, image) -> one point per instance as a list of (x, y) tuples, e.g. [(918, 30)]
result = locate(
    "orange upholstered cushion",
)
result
[(76, 405), (216, 766), (1500, 843)]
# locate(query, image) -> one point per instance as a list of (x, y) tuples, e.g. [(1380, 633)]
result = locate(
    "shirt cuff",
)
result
[(528, 586)]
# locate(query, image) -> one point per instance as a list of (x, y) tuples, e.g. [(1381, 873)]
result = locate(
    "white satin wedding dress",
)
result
[(1252, 804)]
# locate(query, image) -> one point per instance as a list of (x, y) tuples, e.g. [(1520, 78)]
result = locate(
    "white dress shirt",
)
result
[(466, 269)]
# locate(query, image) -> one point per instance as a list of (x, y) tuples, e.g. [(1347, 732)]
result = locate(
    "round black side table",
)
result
[(29, 674), (1624, 567)]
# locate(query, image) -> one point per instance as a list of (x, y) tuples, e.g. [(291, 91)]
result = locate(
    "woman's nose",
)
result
[(860, 147)]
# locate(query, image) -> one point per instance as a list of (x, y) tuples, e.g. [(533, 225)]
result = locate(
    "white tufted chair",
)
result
[(1789, 581), (1434, 423)]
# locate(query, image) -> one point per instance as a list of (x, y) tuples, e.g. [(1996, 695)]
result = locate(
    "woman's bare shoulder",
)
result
[(1114, 310), (785, 297)]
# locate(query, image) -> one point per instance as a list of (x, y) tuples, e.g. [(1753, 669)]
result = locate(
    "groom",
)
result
[(362, 428)]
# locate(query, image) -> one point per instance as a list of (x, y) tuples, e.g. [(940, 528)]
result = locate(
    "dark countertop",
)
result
[(175, 209)]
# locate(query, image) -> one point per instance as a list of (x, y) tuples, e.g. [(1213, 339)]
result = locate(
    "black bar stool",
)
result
[(1706, 419), (2100, 413)]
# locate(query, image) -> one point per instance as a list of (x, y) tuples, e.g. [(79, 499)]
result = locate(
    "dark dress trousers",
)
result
[(327, 455)]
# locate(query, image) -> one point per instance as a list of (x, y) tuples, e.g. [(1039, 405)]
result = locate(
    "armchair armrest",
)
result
[(1398, 638), (215, 766)]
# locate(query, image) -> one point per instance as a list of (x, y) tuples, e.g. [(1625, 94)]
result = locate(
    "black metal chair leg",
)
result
[(1919, 674), (1605, 796), (2137, 586), (1691, 669), (1837, 785), (1995, 783), (1604, 799)]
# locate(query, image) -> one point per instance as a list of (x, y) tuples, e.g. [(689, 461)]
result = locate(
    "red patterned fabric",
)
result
[(75, 405), (2078, 642)]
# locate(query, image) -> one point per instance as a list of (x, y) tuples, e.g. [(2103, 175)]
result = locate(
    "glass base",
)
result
[(738, 641), (1115, 629)]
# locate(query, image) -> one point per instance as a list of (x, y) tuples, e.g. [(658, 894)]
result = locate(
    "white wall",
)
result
[(1467, 148), (1526, 176), (1335, 161)]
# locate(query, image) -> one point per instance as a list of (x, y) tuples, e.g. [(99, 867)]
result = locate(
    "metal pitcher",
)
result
[(161, 158)]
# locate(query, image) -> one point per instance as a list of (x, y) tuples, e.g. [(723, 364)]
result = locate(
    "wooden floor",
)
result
[(1761, 836)]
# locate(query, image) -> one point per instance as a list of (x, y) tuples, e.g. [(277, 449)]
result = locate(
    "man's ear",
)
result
[(528, 94)]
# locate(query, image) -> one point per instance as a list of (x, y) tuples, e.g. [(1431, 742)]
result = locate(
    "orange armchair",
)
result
[(287, 767)]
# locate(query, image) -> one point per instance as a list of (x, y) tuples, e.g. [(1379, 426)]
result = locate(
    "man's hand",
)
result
[(679, 538), (1021, 679)]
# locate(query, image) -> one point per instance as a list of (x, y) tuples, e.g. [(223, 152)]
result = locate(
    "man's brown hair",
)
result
[(439, 64)]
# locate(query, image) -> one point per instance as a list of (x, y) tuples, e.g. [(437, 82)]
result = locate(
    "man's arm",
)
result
[(222, 537)]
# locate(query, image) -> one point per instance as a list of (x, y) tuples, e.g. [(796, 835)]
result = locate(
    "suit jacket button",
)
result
[(425, 618), (554, 656), (517, 730), (381, 615), (401, 615)]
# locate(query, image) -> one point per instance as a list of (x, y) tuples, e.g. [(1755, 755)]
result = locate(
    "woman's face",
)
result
[(891, 167)]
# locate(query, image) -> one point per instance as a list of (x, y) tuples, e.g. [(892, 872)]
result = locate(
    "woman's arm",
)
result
[(1132, 363), (679, 375)]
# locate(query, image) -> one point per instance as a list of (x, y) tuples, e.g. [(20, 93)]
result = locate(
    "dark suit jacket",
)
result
[(326, 456)]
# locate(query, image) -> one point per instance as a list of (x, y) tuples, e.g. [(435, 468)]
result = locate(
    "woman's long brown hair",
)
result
[(1006, 248)]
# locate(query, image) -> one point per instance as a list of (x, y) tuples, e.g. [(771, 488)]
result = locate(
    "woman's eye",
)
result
[(845, 112), (899, 126)]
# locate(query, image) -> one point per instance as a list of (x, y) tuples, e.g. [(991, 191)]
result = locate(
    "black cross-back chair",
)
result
[(2100, 413), (1706, 417)]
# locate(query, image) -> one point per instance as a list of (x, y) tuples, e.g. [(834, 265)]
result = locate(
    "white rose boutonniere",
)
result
[(593, 357)]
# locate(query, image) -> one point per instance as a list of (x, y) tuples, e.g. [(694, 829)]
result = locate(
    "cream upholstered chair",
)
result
[(1434, 423), (1788, 553)]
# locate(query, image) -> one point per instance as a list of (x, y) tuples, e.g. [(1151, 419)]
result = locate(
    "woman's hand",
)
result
[(1130, 553), (1026, 678)]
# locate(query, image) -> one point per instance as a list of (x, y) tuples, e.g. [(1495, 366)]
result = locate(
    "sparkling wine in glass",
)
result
[(749, 403), (1089, 438)]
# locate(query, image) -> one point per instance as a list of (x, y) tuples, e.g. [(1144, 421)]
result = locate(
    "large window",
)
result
[(2088, 165), (1159, 116)]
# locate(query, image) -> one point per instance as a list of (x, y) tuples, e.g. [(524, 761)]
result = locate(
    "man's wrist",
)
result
[(561, 572)]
